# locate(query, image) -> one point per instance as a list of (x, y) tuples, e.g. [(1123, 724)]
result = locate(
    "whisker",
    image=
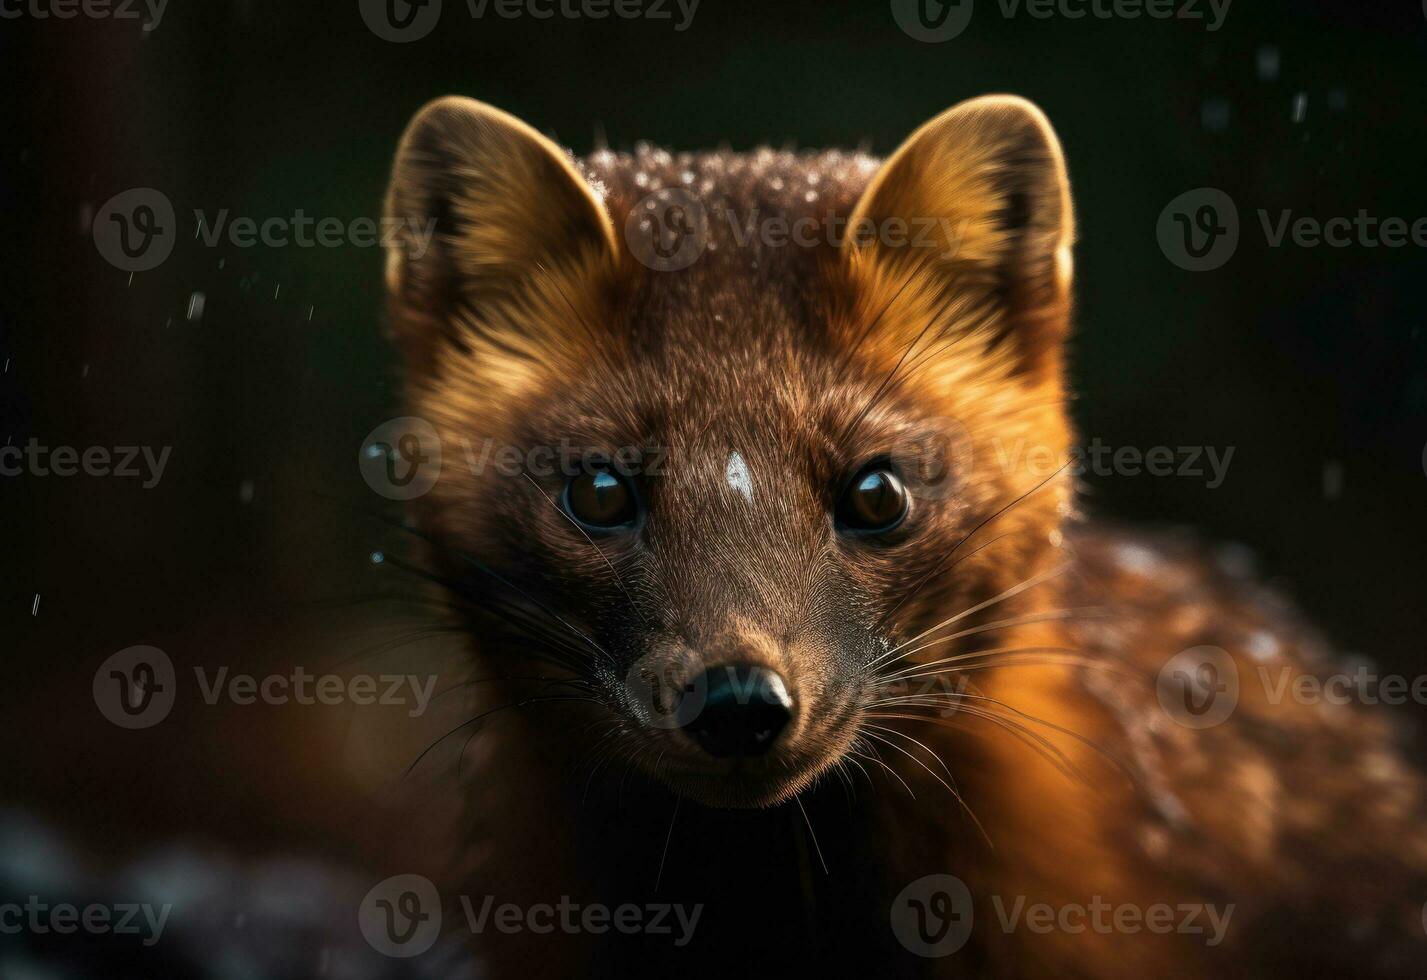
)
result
[(481, 717), (967, 537), (811, 833), (605, 558), (1026, 620), (678, 801), (955, 795), (1010, 593), (1031, 739)]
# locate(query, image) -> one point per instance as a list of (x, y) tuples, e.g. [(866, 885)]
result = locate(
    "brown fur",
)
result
[(530, 322)]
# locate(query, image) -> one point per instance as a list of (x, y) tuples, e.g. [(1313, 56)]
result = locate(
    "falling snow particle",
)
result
[(378, 557), (1214, 115), (1268, 63), (1332, 479), (35, 609), (1300, 107), (195, 306)]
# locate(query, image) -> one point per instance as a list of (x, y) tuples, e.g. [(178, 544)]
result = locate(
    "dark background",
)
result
[(1299, 358)]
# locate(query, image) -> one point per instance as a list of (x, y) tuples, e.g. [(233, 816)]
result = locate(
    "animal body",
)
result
[(784, 616)]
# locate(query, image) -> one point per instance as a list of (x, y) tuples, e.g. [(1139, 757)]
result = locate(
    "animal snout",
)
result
[(745, 708)]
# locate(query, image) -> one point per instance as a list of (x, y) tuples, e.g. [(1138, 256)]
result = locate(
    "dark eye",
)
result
[(602, 500), (875, 501)]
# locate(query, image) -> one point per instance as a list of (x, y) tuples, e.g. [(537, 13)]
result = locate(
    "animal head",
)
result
[(765, 417)]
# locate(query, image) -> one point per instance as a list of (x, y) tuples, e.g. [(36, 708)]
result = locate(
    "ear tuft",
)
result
[(988, 179), (488, 208)]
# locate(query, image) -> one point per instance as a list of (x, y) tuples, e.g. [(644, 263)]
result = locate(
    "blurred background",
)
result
[(264, 368)]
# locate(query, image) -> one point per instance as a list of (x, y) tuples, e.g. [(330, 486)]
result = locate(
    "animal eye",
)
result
[(874, 502), (601, 500)]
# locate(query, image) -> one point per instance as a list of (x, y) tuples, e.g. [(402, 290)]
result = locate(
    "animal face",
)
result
[(743, 485)]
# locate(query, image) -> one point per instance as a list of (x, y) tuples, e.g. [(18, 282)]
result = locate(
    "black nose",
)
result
[(745, 707)]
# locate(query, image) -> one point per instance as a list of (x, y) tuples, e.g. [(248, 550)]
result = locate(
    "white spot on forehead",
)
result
[(737, 476)]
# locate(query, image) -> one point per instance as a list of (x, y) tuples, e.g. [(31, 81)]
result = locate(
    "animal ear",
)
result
[(983, 193), (499, 239)]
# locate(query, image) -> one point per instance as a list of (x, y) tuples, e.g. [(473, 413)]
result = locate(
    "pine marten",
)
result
[(778, 630)]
